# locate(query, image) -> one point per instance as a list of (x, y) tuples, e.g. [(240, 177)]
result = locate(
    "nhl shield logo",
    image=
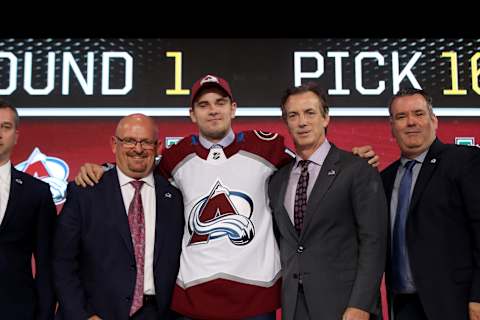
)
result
[(51, 170)]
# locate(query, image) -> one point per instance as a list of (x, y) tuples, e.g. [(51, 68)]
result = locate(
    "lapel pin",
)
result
[(433, 160), (168, 195), (331, 172), (19, 181)]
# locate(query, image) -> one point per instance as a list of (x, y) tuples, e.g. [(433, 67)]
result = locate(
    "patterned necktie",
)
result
[(399, 246), (300, 204), (136, 220)]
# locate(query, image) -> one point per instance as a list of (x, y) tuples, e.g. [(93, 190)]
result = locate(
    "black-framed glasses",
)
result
[(132, 143)]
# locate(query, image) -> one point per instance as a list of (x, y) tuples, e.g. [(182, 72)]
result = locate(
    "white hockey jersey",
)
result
[(230, 265)]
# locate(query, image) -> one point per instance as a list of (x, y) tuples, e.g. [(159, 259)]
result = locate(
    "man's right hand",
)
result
[(90, 173)]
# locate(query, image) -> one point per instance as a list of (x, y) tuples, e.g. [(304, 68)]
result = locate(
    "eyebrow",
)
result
[(217, 100)]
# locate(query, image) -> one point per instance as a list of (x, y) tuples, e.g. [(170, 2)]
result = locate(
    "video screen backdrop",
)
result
[(71, 92)]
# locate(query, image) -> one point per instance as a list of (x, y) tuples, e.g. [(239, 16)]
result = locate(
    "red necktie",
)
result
[(136, 220), (300, 204)]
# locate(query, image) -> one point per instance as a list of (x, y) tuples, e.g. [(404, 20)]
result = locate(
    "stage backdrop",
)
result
[(71, 92)]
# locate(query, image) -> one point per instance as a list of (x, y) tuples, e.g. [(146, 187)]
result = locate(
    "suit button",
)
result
[(300, 249)]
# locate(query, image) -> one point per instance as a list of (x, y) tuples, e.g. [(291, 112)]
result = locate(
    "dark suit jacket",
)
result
[(443, 229), (27, 228), (94, 262), (340, 253)]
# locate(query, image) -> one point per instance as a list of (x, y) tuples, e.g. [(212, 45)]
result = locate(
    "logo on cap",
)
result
[(209, 78)]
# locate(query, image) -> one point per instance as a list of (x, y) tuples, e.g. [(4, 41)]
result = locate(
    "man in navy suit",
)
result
[(27, 220), (434, 195), (117, 245)]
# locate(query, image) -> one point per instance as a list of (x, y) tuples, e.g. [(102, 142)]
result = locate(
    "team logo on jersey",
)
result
[(51, 170), (268, 136), (223, 213)]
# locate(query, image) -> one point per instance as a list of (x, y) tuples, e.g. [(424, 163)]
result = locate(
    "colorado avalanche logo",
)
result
[(223, 213), (51, 170)]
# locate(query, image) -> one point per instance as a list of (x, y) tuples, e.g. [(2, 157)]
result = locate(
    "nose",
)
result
[(138, 147), (302, 120), (212, 109), (411, 120)]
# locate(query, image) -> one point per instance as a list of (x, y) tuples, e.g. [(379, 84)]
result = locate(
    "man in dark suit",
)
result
[(117, 245), (433, 270), (330, 214), (27, 220)]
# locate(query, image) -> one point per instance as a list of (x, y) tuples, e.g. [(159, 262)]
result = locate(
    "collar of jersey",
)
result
[(229, 150)]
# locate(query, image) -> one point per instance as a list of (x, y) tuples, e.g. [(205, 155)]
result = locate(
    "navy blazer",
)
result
[(26, 229), (94, 261), (443, 229)]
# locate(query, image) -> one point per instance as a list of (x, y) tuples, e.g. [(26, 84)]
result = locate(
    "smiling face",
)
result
[(306, 121), (413, 124), (213, 112), (135, 162)]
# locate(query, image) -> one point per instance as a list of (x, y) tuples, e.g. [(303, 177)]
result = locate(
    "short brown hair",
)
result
[(410, 91), (307, 87), (5, 105)]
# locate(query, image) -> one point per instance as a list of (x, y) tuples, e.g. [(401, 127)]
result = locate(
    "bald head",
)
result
[(137, 119), (135, 145)]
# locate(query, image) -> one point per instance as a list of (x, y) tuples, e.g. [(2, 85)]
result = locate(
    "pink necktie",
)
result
[(136, 221)]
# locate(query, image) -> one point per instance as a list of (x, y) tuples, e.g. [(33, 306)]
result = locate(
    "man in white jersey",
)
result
[(230, 267)]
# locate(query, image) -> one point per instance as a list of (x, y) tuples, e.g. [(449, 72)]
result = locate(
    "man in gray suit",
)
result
[(330, 216)]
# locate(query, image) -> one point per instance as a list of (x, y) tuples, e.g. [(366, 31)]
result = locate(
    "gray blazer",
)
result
[(340, 254)]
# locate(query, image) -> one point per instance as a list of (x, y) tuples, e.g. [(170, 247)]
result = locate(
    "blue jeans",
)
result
[(268, 316)]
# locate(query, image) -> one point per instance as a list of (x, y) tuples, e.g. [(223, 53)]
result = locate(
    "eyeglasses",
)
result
[(132, 143)]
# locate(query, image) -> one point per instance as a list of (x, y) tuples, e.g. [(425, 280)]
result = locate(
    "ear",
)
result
[(159, 147), (192, 116), (17, 135), (390, 120), (435, 121), (327, 120), (113, 144), (234, 109)]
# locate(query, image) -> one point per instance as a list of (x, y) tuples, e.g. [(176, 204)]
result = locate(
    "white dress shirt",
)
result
[(317, 159), (5, 177), (149, 210)]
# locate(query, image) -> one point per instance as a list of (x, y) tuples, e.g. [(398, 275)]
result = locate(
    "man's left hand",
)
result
[(367, 152), (474, 310), (355, 314)]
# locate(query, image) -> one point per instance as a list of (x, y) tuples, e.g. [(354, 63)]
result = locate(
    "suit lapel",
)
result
[(388, 178), (329, 171), (15, 194), (283, 214), (117, 209), (162, 207), (428, 167)]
